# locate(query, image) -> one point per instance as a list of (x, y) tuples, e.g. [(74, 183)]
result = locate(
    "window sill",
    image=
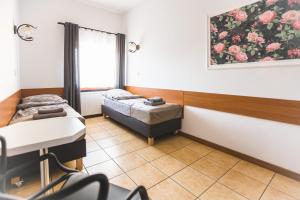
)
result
[(94, 89)]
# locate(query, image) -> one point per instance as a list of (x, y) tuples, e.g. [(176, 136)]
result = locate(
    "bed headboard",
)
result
[(38, 91), (8, 108)]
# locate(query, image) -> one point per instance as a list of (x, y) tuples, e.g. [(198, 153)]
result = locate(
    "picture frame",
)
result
[(254, 62)]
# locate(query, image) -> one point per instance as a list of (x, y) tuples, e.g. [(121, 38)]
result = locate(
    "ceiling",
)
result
[(118, 6)]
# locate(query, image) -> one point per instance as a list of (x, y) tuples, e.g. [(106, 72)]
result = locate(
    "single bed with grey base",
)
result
[(150, 121)]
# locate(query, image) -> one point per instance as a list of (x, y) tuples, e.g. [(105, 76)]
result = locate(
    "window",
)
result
[(97, 59)]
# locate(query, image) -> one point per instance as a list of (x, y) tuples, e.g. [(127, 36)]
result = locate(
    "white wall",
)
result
[(42, 60), (9, 49), (173, 39)]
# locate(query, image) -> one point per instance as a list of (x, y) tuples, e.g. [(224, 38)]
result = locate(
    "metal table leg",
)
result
[(44, 168)]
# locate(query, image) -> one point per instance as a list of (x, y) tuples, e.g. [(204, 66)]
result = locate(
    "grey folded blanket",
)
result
[(148, 103), (155, 99), (50, 110), (49, 115)]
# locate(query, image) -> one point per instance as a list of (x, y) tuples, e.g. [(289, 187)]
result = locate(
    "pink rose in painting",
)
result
[(291, 2), (223, 35), (234, 49), (296, 25), (241, 57), (260, 40), (290, 17), (236, 39), (271, 2), (213, 28), (219, 48), (294, 53), (273, 47), (267, 17), (240, 15), (252, 37), (266, 59)]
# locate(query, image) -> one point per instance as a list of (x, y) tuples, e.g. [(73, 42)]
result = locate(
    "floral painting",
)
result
[(268, 30)]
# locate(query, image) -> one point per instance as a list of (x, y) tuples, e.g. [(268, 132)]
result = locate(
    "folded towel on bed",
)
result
[(49, 115), (155, 99), (149, 103), (50, 110)]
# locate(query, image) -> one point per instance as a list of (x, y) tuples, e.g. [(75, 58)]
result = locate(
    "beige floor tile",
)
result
[(111, 141), (244, 185), (123, 181), (254, 171), (273, 194), (209, 168), (92, 146), (109, 168), (220, 192), (186, 155), (101, 135), (200, 148), (137, 144), (130, 161), (286, 185), (180, 140), (169, 190), (224, 159), (168, 165), (95, 157), (168, 145), (192, 180), (118, 150), (95, 129), (150, 153), (146, 175), (88, 138)]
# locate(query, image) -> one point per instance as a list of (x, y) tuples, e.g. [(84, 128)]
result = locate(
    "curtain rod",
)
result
[(91, 29)]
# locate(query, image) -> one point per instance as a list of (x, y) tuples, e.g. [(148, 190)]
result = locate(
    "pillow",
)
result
[(116, 93), (42, 98)]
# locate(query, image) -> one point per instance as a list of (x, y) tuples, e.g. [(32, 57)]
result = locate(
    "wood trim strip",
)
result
[(172, 96), (8, 108), (242, 156), (287, 111), (38, 91)]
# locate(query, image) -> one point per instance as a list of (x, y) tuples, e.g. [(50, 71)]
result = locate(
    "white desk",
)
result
[(39, 135)]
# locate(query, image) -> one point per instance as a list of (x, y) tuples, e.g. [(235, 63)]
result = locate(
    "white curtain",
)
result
[(97, 59)]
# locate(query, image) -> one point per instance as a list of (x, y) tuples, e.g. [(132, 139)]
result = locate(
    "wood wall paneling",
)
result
[(38, 91), (287, 111), (8, 108), (172, 96)]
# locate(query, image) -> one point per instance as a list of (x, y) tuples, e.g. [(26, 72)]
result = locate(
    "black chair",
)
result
[(3, 164), (76, 185)]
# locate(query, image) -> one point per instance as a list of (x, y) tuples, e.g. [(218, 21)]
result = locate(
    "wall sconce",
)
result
[(24, 31), (133, 47)]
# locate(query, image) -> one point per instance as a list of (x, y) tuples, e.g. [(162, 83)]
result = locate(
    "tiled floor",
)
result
[(175, 168)]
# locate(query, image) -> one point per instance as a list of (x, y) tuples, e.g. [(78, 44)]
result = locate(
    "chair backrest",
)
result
[(3, 164)]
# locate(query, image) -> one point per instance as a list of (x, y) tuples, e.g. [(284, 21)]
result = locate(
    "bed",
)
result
[(67, 152), (150, 121)]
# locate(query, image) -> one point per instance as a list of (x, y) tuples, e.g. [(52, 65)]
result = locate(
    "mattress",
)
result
[(148, 114), (27, 114)]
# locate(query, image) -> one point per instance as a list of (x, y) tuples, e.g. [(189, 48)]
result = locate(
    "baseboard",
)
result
[(92, 116), (242, 156)]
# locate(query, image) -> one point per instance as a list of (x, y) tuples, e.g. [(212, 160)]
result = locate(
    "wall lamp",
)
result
[(133, 47), (24, 31)]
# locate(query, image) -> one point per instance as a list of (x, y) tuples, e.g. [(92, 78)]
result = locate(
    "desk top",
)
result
[(34, 135)]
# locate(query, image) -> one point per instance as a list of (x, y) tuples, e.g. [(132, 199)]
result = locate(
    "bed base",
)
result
[(151, 131)]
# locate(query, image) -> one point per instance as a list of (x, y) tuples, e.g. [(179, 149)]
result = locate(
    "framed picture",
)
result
[(265, 33)]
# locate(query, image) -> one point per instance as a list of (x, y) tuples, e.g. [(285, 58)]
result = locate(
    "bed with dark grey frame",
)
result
[(162, 125)]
